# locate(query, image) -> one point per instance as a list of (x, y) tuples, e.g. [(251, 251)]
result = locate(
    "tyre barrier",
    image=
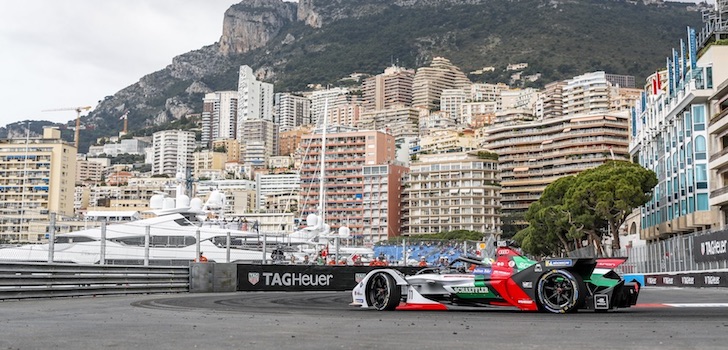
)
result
[(222, 277), (682, 279)]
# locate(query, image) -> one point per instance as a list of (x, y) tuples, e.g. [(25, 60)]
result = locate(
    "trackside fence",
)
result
[(702, 251), (24, 280)]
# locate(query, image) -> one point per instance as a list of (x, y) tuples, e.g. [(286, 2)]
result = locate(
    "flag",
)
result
[(692, 48), (325, 251)]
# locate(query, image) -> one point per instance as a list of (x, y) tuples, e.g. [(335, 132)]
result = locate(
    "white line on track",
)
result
[(698, 305)]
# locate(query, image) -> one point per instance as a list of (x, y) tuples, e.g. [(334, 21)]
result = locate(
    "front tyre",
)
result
[(382, 292), (560, 291)]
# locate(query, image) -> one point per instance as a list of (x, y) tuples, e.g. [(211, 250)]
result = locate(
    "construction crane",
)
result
[(78, 119)]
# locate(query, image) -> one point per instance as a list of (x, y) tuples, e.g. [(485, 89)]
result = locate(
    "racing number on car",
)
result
[(410, 295)]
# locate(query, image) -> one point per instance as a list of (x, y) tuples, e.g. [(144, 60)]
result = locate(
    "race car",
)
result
[(562, 285)]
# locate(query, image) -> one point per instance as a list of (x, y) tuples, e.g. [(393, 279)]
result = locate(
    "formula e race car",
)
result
[(561, 285)]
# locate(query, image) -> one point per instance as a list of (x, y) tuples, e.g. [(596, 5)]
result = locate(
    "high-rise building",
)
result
[(452, 191), (451, 102), (586, 94), (219, 116), (209, 164), (259, 133), (382, 202), (291, 111), (347, 153), (332, 98), (623, 81), (393, 88), (429, 82), (534, 154), (172, 151), (255, 99), (37, 178), (679, 133)]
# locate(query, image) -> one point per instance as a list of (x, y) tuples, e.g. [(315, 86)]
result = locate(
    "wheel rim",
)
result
[(379, 291), (558, 292)]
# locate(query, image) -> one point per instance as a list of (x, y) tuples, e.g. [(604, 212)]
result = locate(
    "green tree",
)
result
[(589, 205), (610, 192)]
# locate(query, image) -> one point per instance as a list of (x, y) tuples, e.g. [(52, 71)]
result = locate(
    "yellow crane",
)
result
[(78, 119)]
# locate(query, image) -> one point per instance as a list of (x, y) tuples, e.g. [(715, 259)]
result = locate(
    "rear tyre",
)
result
[(382, 292), (560, 291)]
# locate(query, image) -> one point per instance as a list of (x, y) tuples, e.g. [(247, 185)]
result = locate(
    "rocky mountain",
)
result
[(320, 41)]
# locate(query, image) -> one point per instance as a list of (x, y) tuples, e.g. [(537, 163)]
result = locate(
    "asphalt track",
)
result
[(325, 321)]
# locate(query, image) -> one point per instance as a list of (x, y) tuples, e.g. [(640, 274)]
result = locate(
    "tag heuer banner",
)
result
[(711, 247), (304, 277)]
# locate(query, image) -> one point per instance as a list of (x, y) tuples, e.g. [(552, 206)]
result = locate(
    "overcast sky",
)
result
[(69, 53)]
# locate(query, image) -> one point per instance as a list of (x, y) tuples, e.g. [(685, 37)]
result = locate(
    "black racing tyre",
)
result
[(560, 291), (382, 292)]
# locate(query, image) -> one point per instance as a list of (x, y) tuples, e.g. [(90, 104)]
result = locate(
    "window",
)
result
[(703, 201), (689, 152), (699, 117), (700, 148)]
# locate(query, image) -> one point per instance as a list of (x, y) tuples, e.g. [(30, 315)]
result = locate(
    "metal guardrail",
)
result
[(42, 280)]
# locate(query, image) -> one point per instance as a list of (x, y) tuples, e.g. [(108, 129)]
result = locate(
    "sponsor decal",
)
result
[(358, 277), (501, 273), (500, 263), (527, 285), (503, 251), (358, 292), (688, 280), (651, 280), (713, 247), (538, 268), (558, 263), (712, 280), (511, 263), (253, 277), (668, 280), (296, 279), (601, 302), (471, 290), (525, 301), (482, 270), (523, 265)]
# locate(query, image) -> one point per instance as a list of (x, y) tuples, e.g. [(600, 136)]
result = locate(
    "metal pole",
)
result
[(147, 235), (265, 242), (197, 245), (102, 253), (227, 245), (51, 237)]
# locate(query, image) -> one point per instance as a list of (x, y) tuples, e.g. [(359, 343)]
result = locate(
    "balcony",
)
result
[(719, 197)]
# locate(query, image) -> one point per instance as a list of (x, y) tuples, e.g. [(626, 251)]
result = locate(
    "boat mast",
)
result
[(322, 179)]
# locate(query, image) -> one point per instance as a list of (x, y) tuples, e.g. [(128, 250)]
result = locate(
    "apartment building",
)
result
[(347, 153), (381, 202), (289, 141), (172, 151), (430, 81), (452, 191), (282, 187), (330, 98), (679, 136), (89, 171), (451, 102), (263, 132), (447, 141), (346, 115), (718, 150), (398, 121), (255, 101), (585, 94), (130, 146), (219, 116), (231, 148), (209, 164), (37, 177), (534, 154), (291, 111), (391, 89)]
